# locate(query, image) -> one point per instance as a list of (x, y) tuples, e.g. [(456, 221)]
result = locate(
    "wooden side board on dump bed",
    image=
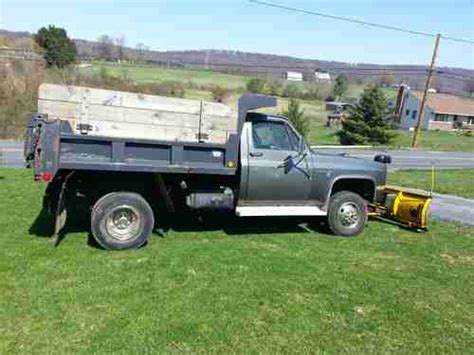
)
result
[(98, 112)]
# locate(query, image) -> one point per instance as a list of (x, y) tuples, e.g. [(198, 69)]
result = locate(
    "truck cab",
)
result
[(282, 175)]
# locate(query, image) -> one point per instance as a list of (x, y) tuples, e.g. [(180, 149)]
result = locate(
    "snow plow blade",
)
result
[(407, 207)]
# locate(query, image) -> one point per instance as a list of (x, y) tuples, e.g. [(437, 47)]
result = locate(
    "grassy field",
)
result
[(145, 74), (452, 182), (252, 287)]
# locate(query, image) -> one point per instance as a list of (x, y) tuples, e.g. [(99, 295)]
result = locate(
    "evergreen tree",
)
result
[(340, 87), (297, 117), (59, 49), (368, 121)]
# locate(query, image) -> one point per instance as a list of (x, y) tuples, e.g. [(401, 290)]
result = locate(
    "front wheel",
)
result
[(347, 214), (121, 220)]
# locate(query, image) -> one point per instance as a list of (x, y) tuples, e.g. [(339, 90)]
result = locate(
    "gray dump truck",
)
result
[(259, 166)]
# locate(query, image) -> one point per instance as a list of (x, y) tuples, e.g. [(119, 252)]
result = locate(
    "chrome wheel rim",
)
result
[(349, 214), (122, 223)]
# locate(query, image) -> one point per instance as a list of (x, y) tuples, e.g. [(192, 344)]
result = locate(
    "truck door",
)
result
[(271, 180)]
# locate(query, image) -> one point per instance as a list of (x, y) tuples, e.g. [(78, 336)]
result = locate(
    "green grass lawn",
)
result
[(435, 140), (430, 140), (452, 182), (253, 287)]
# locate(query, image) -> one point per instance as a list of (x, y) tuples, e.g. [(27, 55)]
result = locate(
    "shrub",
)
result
[(173, 88), (274, 87), (368, 121), (292, 90), (457, 125), (219, 93), (297, 117), (256, 85)]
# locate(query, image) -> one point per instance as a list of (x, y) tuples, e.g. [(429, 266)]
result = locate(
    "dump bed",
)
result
[(91, 129)]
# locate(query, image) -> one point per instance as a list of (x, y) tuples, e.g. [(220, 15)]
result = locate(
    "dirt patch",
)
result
[(455, 259)]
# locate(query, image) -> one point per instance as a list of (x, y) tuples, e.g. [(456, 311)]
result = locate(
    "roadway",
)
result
[(411, 159), (11, 154)]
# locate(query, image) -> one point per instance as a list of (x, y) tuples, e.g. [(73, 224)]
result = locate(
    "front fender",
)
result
[(364, 185)]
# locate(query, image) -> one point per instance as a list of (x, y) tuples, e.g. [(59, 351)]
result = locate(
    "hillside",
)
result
[(452, 79)]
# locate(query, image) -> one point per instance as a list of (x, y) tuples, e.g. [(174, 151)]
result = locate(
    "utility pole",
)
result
[(416, 134)]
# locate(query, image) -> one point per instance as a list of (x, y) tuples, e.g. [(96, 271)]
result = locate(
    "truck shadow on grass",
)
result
[(235, 226), (43, 225)]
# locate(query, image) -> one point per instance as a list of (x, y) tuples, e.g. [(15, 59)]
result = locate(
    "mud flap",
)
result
[(61, 210)]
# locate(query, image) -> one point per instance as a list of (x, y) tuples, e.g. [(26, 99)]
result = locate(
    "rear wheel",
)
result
[(121, 220), (347, 214)]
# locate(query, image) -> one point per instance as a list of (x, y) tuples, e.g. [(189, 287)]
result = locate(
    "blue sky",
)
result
[(240, 25)]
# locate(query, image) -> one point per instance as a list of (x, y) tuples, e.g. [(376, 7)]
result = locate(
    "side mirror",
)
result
[(288, 164), (383, 158)]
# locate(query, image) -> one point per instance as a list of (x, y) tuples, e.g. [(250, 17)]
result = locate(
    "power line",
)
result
[(359, 22)]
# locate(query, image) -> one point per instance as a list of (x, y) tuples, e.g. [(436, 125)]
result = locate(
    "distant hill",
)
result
[(451, 79)]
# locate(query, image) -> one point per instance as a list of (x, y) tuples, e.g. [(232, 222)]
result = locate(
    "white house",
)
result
[(442, 111), (322, 76), (294, 76)]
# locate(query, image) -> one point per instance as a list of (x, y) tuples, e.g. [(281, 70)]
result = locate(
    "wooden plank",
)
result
[(139, 131), (123, 114)]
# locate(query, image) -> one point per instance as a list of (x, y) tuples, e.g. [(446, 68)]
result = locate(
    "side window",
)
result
[(270, 135)]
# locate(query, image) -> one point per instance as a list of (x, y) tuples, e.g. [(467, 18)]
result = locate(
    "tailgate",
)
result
[(41, 150)]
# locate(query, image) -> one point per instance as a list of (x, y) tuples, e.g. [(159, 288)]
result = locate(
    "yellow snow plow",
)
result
[(407, 207)]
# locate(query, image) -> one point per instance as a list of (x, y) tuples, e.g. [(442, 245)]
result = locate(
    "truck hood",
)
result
[(344, 158), (343, 164)]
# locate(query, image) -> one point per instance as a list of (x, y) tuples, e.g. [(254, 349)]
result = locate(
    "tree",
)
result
[(220, 93), (120, 44), (368, 121), (141, 49), (386, 79), (297, 117), (59, 49), (340, 87), (106, 46)]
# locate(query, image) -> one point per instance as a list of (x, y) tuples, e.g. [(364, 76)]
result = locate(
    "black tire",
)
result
[(347, 214), (121, 220)]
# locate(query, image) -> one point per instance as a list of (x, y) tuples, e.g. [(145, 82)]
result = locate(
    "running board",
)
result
[(254, 211)]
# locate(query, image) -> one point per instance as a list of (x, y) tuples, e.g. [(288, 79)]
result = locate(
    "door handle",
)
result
[(256, 154)]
